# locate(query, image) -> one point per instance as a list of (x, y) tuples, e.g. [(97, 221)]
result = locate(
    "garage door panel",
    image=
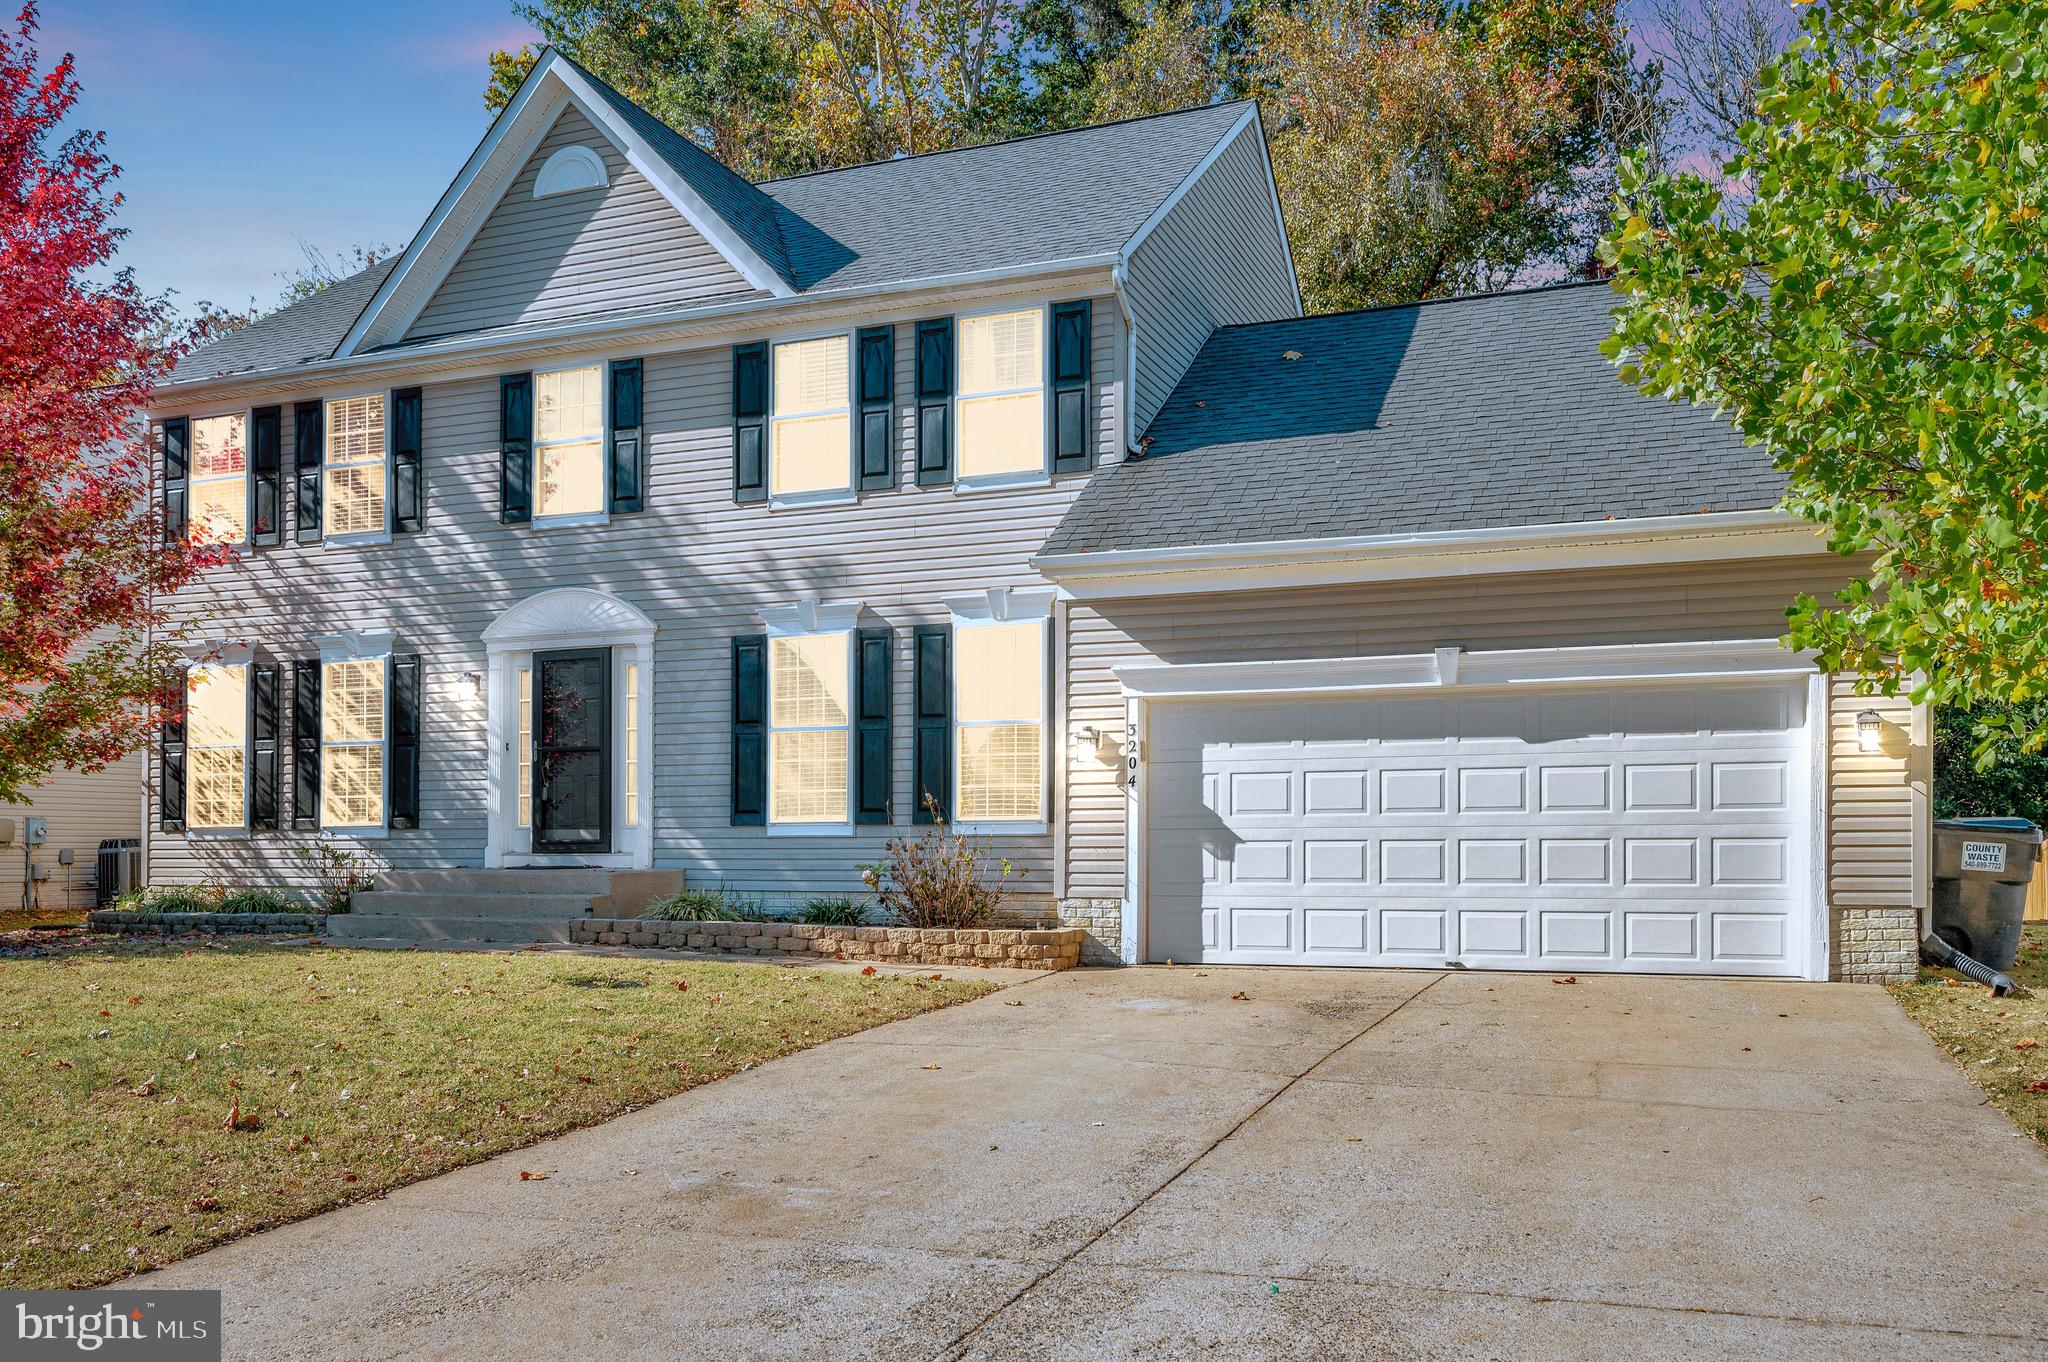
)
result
[(1560, 830)]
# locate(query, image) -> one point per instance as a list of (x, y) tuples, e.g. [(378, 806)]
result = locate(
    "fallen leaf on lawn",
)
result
[(2038, 1085), (2025, 1043), (135, 1002), (869, 970), (241, 1120), (63, 1063), (527, 1175), (1568, 979), (146, 1088), (205, 1204), (938, 976), (682, 985)]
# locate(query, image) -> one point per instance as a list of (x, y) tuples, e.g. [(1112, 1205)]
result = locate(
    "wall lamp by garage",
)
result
[(1087, 743), (1869, 731)]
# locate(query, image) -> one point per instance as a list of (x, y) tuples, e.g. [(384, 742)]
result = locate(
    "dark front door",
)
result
[(572, 760)]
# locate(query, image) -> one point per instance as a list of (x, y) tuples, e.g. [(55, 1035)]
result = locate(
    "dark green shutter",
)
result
[(177, 471), (874, 393), (171, 764), (515, 448), (628, 468), (405, 741), (934, 706), (1072, 450), (309, 440), (266, 459), (306, 743), (750, 422), (408, 481), (874, 779), (934, 383), (749, 730), (263, 724)]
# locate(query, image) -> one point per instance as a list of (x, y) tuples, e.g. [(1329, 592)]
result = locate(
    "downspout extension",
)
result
[(1935, 951)]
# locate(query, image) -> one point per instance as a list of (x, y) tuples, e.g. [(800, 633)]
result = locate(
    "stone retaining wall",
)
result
[(176, 924), (1012, 948)]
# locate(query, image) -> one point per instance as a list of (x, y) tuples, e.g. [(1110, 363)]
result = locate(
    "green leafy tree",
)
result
[(1878, 318)]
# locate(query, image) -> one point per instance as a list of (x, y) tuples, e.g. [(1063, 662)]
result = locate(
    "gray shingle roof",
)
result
[(304, 333), (1034, 201), (1472, 413)]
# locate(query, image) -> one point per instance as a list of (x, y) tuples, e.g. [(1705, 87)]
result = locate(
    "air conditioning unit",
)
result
[(119, 870)]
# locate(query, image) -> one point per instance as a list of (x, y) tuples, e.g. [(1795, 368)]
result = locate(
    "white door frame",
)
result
[(1505, 669), (569, 617)]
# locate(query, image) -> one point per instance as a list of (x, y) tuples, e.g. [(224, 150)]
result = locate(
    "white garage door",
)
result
[(1653, 828)]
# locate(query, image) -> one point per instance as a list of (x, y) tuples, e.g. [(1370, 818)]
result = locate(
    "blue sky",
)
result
[(243, 125)]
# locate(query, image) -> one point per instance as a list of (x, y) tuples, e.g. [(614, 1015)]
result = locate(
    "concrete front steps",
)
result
[(511, 906)]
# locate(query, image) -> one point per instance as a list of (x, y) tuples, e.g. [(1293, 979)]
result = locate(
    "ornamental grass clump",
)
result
[(941, 879), (707, 905)]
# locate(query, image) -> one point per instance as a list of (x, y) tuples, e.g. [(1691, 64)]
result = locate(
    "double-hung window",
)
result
[(1002, 395), (220, 479), (353, 726), (217, 747), (810, 688), (810, 432), (999, 685), (568, 441), (355, 490)]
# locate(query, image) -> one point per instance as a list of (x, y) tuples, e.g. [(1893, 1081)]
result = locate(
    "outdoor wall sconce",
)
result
[(1869, 731), (1087, 742)]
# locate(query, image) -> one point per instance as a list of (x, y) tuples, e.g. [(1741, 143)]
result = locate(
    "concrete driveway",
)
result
[(1134, 1164)]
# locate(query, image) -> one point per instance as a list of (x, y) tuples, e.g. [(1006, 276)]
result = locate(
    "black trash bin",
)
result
[(1981, 870)]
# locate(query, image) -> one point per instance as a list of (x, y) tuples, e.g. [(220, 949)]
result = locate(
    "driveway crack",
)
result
[(954, 1350)]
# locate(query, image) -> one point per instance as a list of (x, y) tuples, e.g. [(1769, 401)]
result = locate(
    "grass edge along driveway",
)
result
[(2001, 1043), (158, 1101)]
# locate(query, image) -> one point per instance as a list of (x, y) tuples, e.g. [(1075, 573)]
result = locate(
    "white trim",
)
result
[(1137, 238), (1003, 604), (1819, 728), (570, 86), (1703, 537), (601, 437), (1610, 665), (571, 170), (812, 496), (353, 645), (672, 331), (811, 617), (1016, 477), (1279, 217), (1425, 671), (686, 200), (567, 617)]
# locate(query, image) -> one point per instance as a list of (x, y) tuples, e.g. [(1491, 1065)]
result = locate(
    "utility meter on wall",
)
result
[(33, 830)]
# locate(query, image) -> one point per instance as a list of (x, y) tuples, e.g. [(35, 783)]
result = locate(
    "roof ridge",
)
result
[(1489, 295), (1005, 141)]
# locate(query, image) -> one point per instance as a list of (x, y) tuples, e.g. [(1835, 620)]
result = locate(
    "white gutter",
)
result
[(642, 327), (1359, 558)]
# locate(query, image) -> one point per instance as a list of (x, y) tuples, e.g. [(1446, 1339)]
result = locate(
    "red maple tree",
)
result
[(85, 643)]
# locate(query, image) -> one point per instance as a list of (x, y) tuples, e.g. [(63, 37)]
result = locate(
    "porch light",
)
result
[(1869, 731), (1087, 742)]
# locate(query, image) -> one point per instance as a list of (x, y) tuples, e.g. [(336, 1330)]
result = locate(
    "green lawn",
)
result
[(2001, 1043), (347, 1073)]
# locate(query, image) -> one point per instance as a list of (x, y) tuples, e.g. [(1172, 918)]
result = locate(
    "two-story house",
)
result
[(639, 517)]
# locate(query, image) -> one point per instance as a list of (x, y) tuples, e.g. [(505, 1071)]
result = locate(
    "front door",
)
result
[(572, 765)]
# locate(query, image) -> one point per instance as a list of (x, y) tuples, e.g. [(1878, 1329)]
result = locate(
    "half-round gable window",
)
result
[(568, 170)]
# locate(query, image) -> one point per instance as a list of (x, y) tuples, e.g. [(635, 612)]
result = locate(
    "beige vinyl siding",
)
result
[(1216, 259), (1878, 803), (576, 254), (696, 563), (1874, 799), (82, 810)]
